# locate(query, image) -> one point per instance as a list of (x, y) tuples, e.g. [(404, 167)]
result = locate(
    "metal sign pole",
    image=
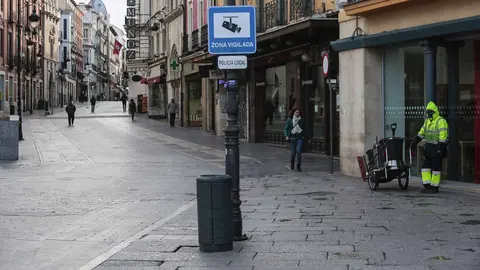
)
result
[(331, 125)]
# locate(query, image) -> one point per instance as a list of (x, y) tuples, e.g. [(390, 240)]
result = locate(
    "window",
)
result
[(190, 20), (65, 33), (51, 48), (276, 99), (86, 57), (1, 40), (10, 44), (201, 13)]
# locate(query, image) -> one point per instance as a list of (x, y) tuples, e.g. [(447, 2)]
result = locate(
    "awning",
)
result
[(417, 33), (152, 80)]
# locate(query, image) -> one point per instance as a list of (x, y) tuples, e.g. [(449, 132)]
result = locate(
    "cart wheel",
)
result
[(403, 181), (372, 183)]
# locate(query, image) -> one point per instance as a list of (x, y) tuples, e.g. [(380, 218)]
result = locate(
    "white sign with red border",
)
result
[(325, 64)]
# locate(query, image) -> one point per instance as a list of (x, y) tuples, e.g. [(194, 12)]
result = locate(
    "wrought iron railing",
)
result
[(195, 43), (275, 14), (204, 36), (301, 9)]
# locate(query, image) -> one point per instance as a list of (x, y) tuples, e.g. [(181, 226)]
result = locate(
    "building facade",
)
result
[(97, 48), (50, 18), (395, 57), (67, 71), (31, 52), (77, 48), (137, 61)]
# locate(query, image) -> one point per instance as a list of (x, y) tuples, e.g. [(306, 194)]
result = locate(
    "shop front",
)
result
[(388, 77), (290, 76), (194, 101)]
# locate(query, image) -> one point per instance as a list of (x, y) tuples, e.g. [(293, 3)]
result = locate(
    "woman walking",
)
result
[(294, 132)]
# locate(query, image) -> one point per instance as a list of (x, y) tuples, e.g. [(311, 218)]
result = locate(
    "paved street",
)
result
[(109, 193)]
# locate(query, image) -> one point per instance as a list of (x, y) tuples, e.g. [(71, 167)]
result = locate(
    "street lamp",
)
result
[(30, 44), (34, 20)]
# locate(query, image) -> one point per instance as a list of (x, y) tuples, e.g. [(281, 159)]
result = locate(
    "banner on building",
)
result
[(116, 48)]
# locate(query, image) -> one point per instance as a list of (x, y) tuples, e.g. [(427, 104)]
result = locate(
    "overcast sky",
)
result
[(116, 9)]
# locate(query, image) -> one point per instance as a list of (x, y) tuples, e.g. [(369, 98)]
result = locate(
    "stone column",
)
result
[(430, 51)]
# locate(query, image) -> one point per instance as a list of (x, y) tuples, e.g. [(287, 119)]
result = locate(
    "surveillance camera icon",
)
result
[(230, 26)]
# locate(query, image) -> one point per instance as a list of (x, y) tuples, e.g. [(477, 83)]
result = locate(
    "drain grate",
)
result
[(316, 193), (471, 222), (131, 263)]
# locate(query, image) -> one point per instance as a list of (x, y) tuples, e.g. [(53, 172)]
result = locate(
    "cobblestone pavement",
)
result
[(112, 194)]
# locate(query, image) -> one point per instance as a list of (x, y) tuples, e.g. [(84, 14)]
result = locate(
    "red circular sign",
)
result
[(325, 64)]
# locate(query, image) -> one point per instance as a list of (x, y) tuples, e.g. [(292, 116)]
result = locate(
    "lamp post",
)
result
[(30, 44), (232, 153), (34, 20)]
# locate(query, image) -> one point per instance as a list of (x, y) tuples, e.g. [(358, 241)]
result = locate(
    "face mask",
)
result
[(430, 114)]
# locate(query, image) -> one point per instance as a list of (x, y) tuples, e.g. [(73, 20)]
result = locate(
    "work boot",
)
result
[(299, 169), (432, 190), (292, 164), (425, 188)]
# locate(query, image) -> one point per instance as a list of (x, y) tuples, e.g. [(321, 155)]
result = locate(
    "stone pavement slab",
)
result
[(358, 229)]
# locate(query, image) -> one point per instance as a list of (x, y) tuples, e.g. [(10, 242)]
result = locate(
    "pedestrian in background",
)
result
[(172, 111), (124, 102), (294, 133), (132, 108), (93, 101), (70, 109)]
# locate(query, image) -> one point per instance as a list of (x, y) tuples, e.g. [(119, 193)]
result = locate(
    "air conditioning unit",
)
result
[(342, 3)]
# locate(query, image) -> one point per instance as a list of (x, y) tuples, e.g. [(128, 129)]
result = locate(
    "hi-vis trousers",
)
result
[(432, 170)]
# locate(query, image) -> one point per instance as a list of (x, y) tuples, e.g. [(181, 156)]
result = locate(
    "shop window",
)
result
[(318, 100), (404, 98), (276, 99), (195, 103)]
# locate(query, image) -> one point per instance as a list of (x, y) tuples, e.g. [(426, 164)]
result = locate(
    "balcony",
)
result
[(185, 48), (368, 7), (204, 36), (302, 9), (195, 43), (275, 14)]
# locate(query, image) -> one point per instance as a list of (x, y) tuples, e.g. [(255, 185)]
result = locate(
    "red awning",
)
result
[(152, 80)]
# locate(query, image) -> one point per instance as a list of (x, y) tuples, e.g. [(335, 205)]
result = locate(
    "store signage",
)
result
[(130, 29), (130, 12), (232, 30), (131, 33), (216, 74), (232, 62), (131, 54)]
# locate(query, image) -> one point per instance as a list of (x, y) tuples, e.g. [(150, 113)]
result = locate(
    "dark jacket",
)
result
[(132, 107), (289, 127), (70, 109), (93, 101)]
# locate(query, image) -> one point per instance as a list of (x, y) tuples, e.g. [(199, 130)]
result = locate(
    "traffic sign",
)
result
[(232, 30), (232, 62), (325, 65)]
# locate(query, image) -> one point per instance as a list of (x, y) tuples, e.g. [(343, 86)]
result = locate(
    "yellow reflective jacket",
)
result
[(434, 130)]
